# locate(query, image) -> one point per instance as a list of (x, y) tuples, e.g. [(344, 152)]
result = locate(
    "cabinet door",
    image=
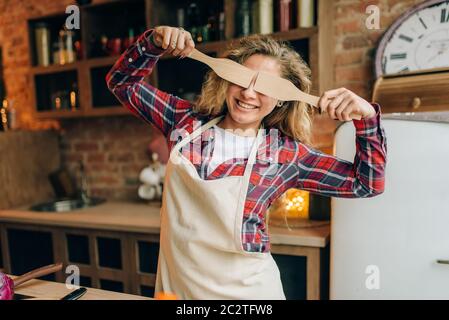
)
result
[(29, 250), (147, 260), (293, 275)]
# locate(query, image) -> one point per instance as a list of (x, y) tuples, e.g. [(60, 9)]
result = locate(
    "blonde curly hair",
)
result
[(294, 118)]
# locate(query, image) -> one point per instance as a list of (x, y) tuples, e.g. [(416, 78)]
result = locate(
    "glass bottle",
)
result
[(74, 97), (12, 116), (243, 19), (221, 26), (69, 36), (194, 22), (42, 41), (4, 115), (62, 56), (8, 115)]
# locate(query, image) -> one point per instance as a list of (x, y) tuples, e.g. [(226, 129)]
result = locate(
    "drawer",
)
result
[(413, 92)]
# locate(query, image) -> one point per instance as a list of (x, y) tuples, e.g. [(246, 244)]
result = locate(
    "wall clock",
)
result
[(418, 40)]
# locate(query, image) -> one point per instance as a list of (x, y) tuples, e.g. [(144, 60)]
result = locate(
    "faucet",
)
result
[(83, 191)]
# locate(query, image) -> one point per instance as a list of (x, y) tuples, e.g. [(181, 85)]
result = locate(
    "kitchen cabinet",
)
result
[(29, 249), (113, 261), (116, 247), (77, 88)]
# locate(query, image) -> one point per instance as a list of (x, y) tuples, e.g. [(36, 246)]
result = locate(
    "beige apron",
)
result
[(201, 254)]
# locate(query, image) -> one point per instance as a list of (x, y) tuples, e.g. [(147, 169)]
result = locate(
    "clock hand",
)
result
[(433, 58), (438, 54)]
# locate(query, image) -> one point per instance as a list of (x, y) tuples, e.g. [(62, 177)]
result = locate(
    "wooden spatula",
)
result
[(226, 68), (267, 84), (282, 89)]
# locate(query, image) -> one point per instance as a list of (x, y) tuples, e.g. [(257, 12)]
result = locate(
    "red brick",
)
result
[(121, 157), (360, 41), (73, 157), (130, 169), (353, 73), (86, 146), (349, 57), (108, 180), (351, 26), (96, 157)]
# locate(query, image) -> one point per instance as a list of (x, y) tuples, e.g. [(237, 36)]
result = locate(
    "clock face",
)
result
[(419, 40)]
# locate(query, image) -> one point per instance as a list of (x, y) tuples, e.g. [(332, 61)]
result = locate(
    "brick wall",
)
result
[(355, 44), (114, 147), (354, 53)]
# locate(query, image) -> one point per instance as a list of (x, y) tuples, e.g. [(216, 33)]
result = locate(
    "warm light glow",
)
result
[(292, 206), (58, 103), (73, 100), (3, 115)]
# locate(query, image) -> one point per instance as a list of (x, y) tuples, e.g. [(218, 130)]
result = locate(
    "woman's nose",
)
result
[(249, 92)]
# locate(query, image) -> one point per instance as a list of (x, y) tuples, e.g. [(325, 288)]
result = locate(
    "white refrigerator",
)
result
[(396, 245)]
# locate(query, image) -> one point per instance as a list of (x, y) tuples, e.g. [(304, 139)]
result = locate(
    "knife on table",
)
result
[(75, 295)]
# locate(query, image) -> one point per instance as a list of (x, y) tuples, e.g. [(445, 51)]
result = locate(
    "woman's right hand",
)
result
[(178, 41)]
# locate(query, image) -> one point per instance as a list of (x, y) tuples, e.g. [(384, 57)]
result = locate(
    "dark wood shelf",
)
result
[(219, 46), (58, 114), (54, 68), (106, 111), (90, 63), (310, 42), (91, 112)]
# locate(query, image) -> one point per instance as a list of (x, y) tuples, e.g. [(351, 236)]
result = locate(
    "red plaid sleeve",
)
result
[(126, 82), (331, 176)]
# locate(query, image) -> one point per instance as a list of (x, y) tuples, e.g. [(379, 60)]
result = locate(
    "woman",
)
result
[(214, 242)]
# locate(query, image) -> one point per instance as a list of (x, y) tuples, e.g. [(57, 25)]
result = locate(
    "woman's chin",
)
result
[(244, 117)]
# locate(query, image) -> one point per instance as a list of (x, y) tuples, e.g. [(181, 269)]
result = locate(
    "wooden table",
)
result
[(48, 290), (136, 221)]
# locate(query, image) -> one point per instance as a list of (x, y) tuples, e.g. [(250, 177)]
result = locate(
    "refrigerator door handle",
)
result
[(441, 261)]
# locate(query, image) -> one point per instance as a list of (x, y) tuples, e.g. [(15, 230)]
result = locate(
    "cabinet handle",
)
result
[(440, 261), (416, 103)]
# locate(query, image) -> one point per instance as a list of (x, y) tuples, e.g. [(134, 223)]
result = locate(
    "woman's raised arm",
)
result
[(126, 78), (331, 176)]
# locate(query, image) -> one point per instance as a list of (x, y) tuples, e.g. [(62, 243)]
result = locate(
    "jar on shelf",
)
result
[(73, 97), (8, 115), (42, 42), (60, 100), (65, 52)]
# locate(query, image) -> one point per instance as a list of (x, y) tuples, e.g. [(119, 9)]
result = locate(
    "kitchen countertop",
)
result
[(48, 290), (431, 116), (139, 217)]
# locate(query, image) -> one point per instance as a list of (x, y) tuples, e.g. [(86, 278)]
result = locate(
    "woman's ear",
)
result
[(280, 104)]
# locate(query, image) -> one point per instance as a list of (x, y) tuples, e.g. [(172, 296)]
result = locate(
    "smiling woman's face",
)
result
[(246, 107)]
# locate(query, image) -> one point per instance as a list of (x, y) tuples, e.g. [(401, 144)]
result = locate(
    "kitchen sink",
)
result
[(67, 204)]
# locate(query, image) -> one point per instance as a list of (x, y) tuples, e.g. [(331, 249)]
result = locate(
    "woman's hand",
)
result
[(178, 41), (340, 103)]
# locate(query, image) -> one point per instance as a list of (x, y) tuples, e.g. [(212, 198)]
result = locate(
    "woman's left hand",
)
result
[(341, 103)]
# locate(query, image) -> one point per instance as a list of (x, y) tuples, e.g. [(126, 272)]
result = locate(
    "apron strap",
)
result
[(253, 154), (254, 148), (197, 132)]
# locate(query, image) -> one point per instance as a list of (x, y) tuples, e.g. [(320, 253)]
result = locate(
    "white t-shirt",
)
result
[(228, 145)]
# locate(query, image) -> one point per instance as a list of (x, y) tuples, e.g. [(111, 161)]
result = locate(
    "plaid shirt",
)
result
[(295, 165)]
